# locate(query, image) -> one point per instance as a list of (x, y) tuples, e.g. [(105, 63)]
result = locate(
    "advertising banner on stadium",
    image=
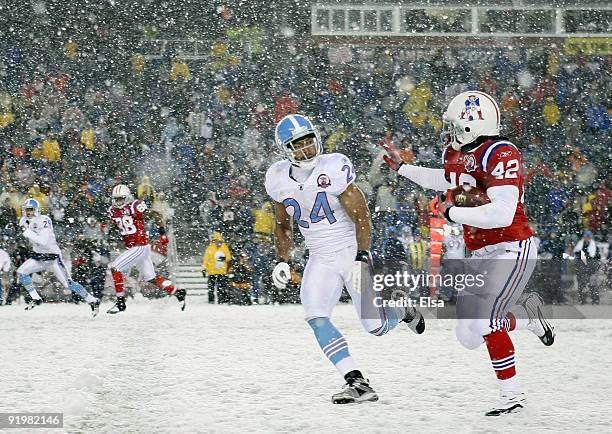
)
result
[(588, 46)]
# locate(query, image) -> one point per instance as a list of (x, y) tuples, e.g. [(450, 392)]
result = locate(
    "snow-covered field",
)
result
[(238, 369)]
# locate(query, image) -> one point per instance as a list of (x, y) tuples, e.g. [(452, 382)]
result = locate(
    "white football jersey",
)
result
[(314, 204), (5, 262), (454, 247), (39, 231)]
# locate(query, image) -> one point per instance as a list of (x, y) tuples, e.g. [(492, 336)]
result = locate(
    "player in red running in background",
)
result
[(128, 217), (498, 235)]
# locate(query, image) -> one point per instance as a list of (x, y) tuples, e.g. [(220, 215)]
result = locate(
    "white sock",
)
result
[(510, 384), (346, 365)]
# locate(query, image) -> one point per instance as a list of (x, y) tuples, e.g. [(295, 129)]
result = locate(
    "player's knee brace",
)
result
[(25, 279), (467, 337)]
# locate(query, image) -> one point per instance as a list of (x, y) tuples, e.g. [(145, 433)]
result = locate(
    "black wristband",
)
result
[(363, 256), (161, 230), (447, 214), (399, 166)]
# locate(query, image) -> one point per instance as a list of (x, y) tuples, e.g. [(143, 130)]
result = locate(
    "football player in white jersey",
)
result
[(317, 191), (38, 229), (5, 267)]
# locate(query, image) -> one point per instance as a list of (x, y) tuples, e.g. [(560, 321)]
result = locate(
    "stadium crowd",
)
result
[(193, 138)]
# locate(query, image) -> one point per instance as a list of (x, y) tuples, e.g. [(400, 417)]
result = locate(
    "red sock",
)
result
[(501, 352), (510, 322), (165, 284), (118, 280)]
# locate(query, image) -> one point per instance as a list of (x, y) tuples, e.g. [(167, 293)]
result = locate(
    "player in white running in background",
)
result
[(38, 229), (5, 267), (497, 234), (317, 190)]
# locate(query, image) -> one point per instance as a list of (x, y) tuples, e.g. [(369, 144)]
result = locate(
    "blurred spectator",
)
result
[(262, 254), (82, 261), (418, 251), (51, 148), (179, 70), (241, 279), (162, 207), (586, 262), (8, 217), (92, 231), (285, 104), (211, 213), (597, 117), (392, 248), (264, 221), (15, 200), (57, 203), (88, 137), (100, 257), (215, 266), (82, 201), (145, 191), (597, 215), (551, 112), (416, 108)]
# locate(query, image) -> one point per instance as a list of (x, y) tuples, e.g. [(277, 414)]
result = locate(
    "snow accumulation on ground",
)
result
[(156, 369)]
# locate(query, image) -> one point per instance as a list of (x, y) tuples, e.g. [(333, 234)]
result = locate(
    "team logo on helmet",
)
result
[(472, 108), (469, 162), (323, 181)]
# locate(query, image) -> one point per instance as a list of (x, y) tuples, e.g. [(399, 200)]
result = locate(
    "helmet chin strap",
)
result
[(456, 145), (309, 164)]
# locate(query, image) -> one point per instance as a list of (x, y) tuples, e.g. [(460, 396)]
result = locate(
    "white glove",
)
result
[(281, 275), (24, 223)]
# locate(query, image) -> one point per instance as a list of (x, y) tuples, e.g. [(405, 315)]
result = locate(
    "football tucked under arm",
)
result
[(499, 213), (425, 177)]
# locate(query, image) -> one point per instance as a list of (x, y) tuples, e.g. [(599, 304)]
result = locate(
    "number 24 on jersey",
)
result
[(321, 205)]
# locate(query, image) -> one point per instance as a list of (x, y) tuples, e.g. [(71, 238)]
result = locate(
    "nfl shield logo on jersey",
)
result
[(323, 181), (470, 163)]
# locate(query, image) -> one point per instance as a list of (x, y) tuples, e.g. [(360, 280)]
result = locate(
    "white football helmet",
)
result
[(469, 115), (292, 128), (30, 208), (120, 195)]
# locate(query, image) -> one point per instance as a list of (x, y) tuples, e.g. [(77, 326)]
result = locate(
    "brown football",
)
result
[(469, 196)]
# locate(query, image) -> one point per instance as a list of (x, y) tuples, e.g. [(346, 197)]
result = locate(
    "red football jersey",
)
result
[(493, 163), (131, 223)]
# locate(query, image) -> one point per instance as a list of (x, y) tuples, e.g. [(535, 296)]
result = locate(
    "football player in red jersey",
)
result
[(497, 234), (128, 217)]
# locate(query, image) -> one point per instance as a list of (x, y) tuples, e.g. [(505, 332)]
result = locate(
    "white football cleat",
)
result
[(509, 402), (415, 320), (538, 324), (357, 390)]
